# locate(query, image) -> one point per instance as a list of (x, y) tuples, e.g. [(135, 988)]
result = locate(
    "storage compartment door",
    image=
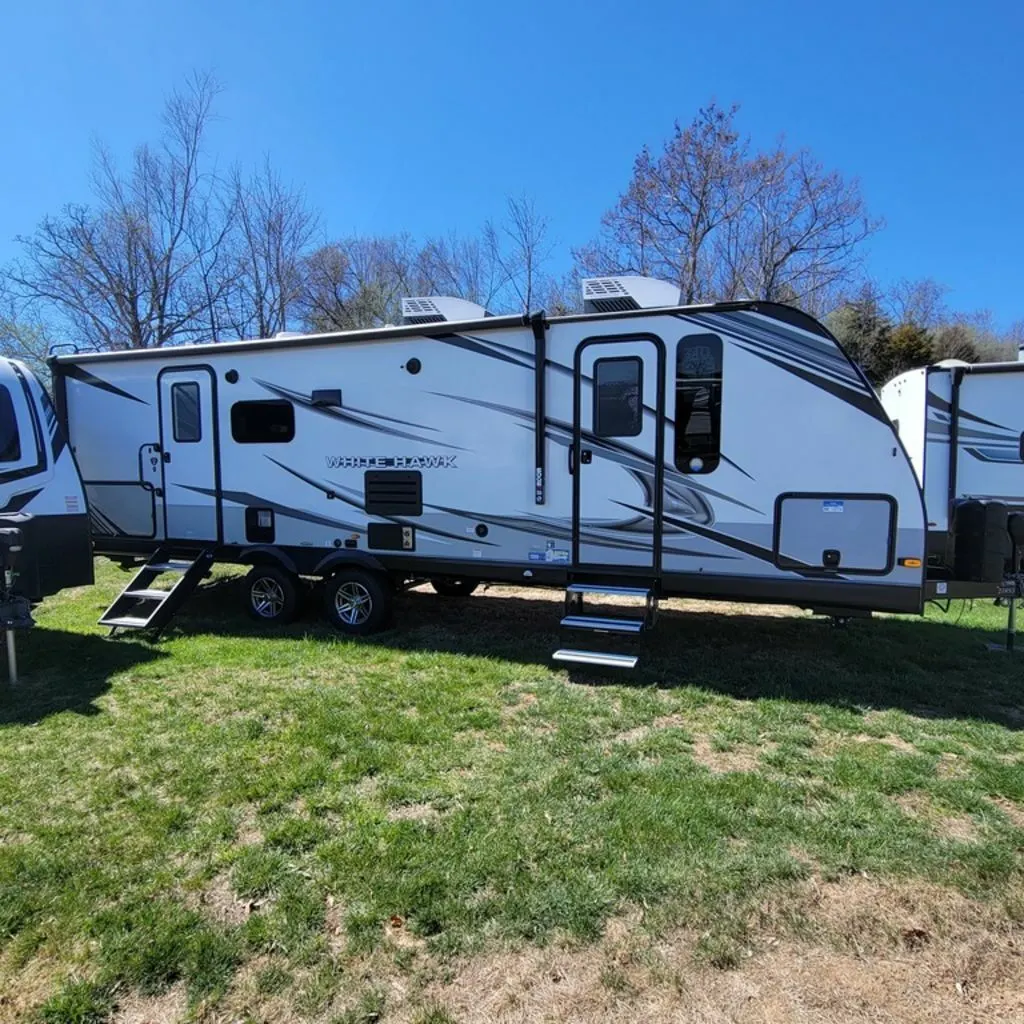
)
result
[(842, 533)]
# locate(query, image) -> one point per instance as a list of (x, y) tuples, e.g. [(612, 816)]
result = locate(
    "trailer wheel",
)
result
[(272, 594), (357, 602), (454, 588)]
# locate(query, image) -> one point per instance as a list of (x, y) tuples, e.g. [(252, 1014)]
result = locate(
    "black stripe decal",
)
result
[(254, 500), (85, 377), (472, 345), (358, 420), (862, 402), (19, 501)]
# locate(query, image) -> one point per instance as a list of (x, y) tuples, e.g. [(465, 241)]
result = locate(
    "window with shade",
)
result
[(698, 403)]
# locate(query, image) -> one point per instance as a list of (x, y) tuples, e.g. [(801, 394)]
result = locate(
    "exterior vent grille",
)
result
[(595, 287), (421, 311), (621, 294), (397, 492)]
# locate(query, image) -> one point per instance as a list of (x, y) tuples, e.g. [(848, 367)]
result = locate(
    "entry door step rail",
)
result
[(609, 589), (141, 605), (601, 624), (576, 618), (597, 658)]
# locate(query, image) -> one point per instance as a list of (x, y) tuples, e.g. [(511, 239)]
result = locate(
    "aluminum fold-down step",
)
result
[(606, 588), (596, 658), (603, 625), (141, 605)]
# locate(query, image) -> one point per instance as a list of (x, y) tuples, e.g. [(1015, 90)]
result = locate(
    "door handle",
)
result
[(167, 456), (572, 459), (586, 456)]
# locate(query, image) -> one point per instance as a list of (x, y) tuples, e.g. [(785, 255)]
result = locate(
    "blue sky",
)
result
[(401, 116)]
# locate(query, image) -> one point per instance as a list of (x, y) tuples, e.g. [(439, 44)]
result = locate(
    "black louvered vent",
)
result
[(396, 492)]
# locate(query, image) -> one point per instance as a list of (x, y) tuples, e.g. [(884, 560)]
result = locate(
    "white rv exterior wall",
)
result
[(796, 418)]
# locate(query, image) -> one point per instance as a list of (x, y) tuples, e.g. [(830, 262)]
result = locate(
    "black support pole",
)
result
[(539, 324)]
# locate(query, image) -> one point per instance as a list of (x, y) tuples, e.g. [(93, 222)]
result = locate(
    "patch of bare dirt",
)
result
[(167, 1008), (890, 740), (959, 827), (952, 766), (525, 701), (643, 731), (25, 987), (876, 954), (1013, 811), (414, 812), (334, 926), (247, 832), (218, 901), (397, 934), (741, 758)]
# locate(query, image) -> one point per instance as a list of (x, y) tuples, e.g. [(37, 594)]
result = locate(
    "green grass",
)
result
[(246, 815)]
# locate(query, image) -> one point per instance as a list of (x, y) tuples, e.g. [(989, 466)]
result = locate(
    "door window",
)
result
[(185, 416), (618, 397)]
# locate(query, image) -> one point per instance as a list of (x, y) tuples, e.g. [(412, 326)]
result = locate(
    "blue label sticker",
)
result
[(537, 556), (832, 506)]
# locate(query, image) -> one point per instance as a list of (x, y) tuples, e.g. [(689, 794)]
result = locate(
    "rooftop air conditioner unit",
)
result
[(435, 309), (620, 294)]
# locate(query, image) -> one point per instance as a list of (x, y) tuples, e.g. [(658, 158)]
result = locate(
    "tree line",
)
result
[(171, 250)]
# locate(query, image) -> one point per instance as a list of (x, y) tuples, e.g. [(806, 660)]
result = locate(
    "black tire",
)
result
[(455, 588), (358, 602), (272, 594)]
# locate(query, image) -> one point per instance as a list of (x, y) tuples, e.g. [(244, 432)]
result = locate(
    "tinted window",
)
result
[(185, 412), (10, 442), (618, 405), (271, 422), (698, 403)]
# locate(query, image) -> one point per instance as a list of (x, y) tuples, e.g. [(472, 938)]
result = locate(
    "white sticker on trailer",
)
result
[(832, 506)]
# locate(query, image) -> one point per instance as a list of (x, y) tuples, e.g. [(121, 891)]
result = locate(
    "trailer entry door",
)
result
[(617, 453), (188, 440)]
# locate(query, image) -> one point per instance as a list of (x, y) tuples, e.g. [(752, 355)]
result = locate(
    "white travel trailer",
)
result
[(963, 427), (639, 449), (45, 542)]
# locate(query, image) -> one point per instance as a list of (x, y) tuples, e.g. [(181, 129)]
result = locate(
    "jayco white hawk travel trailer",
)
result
[(640, 448), (963, 427), (45, 540)]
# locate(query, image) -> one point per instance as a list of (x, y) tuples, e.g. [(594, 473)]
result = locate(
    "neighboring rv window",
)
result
[(618, 402), (185, 414), (698, 403), (270, 422), (10, 442)]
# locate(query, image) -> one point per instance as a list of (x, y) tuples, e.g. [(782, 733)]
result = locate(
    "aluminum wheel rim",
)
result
[(267, 596), (353, 603)]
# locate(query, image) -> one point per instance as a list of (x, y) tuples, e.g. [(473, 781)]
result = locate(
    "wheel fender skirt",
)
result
[(336, 559), (268, 553)]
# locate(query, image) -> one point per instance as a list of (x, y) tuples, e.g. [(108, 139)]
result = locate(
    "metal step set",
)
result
[(577, 619), (148, 602)]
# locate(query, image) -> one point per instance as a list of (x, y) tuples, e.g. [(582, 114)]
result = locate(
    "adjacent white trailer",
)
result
[(725, 451), (41, 495), (963, 427)]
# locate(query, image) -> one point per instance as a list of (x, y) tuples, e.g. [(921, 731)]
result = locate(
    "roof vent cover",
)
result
[(435, 309), (619, 294)]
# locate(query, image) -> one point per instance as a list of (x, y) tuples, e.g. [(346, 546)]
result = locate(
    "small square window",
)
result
[(269, 422)]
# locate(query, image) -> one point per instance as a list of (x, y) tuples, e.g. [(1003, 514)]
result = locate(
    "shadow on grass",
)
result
[(62, 671), (925, 667)]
